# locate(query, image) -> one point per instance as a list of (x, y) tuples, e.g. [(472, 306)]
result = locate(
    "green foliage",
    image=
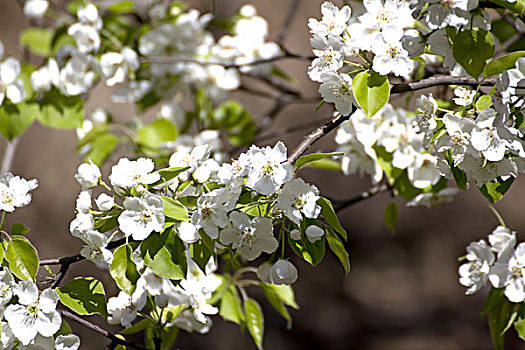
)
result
[(38, 41), (200, 251), (472, 49), (151, 136), (101, 148), (231, 117), (337, 246), (108, 220), (304, 160), (483, 102), (15, 119), (22, 258), (390, 216), (328, 213), (60, 111), (275, 300), (123, 269), (122, 7), (165, 254), (19, 229), (495, 190), (502, 314), (325, 164), (254, 321), (500, 64), (311, 252), (371, 91), (84, 295), (231, 308), (175, 210)]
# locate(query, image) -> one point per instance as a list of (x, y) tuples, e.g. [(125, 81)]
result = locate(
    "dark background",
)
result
[(403, 290)]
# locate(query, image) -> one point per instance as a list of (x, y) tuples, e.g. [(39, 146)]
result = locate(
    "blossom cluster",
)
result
[(236, 205), (500, 261)]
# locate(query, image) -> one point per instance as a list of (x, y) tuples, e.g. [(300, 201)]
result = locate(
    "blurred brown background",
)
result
[(403, 290)]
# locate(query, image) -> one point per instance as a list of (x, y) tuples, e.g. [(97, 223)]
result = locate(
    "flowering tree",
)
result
[(196, 215)]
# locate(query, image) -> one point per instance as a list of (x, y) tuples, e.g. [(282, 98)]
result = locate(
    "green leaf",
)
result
[(37, 40), (231, 117), (371, 91), (459, 175), (286, 294), (390, 216), (230, 307), (101, 148), (123, 269), (154, 134), (174, 209), (84, 295), (15, 119), (275, 300), (96, 131), (405, 187), (200, 253), (483, 102), (164, 254), (22, 258), (254, 321), (328, 213), (519, 326), (337, 246), (502, 314), (108, 221), (168, 174), (518, 7), (60, 111), (19, 229), (311, 252), (494, 191), (138, 327), (472, 49), (314, 157), (122, 7), (65, 329), (500, 64), (325, 164)]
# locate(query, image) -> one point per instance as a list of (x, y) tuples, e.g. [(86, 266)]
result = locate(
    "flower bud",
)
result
[(314, 233), (88, 175), (283, 272), (104, 202), (263, 272)]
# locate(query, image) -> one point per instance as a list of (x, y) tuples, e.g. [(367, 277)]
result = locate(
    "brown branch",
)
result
[(66, 261), (373, 191), (317, 134), (287, 22), (439, 80), (172, 60), (114, 339)]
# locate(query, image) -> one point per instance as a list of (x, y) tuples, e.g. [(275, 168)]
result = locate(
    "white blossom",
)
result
[(105, 202), (88, 175), (249, 237), (14, 191), (10, 86), (337, 88), (34, 314), (283, 272), (128, 173), (474, 274), (35, 9), (142, 216), (297, 198), (333, 21)]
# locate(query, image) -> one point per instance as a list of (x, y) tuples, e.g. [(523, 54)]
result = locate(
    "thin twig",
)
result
[(94, 327), (289, 130), (172, 60), (317, 134), (287, 22), (439, 80), (373, 191)]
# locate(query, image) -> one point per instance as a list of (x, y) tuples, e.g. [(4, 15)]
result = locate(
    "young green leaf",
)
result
[(254, 321), (315, 157), (390, 216), (328, 213), (275, 300), (84, 295), (494, 191), (174, 209), (500, 64), (22, 258), (161, 256), (371, 91), (230, 307), (472, 48), (338, 248), (123, 269)]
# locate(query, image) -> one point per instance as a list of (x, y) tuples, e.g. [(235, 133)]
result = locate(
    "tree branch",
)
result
[(440, 80), (114, 339), (373, 191), (287, 22), (317, 134)]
